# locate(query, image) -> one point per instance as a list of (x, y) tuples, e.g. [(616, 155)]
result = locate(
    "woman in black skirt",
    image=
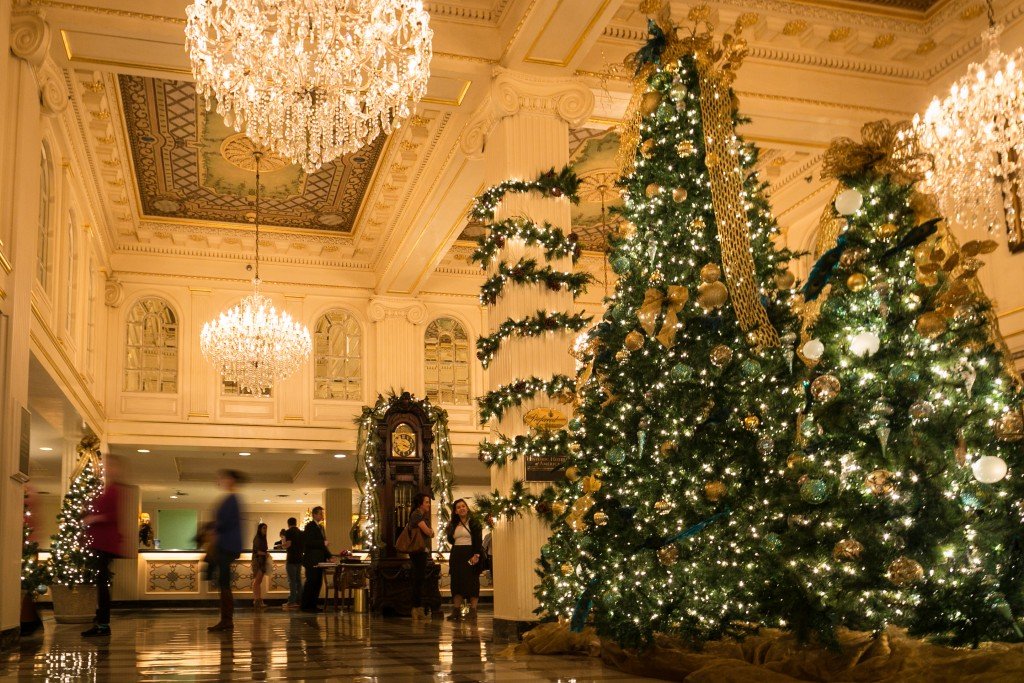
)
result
[(465, 534)]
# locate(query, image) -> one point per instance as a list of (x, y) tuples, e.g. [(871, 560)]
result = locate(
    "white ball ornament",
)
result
[(848, 202), (864, 344), (988, 469), (813, 349)]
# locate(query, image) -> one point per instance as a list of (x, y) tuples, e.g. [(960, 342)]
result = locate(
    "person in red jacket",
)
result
[(105, 541)]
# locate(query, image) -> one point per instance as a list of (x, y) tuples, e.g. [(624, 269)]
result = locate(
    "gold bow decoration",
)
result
[(891, 149), (672, 302), (88, 450)]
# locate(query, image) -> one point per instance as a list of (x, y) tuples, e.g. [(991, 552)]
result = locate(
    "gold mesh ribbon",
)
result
[(88, 450), (890, 149), (716, 70)]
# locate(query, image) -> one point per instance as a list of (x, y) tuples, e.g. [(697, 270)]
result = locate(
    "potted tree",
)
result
[(72, 563)]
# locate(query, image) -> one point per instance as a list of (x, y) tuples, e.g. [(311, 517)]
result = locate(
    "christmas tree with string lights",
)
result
[(901, 500), (72, 563), (685, 391)]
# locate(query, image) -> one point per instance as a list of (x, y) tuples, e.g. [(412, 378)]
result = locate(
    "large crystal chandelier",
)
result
[(310, 79), (976, 136), (252, 344)]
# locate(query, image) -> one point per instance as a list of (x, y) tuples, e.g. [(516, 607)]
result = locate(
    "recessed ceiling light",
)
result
[(266, 500), (45, 448), (244, 453), (298, 500), (340, 455), (174, 498), (143, 450)]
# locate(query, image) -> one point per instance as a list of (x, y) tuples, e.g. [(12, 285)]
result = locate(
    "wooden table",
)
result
[(344, 577)]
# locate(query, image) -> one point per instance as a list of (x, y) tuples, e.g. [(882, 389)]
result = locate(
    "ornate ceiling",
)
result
[(186, 166)]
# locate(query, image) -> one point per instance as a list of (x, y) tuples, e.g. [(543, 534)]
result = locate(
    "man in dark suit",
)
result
[(314, 552)]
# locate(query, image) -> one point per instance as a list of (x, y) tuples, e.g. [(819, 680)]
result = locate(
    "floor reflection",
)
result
[(172, 644)]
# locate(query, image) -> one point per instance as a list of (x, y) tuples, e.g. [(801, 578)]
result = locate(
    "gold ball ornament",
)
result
[(930, 325), (795, 459), (711, 272), (567, 569), (666, 448), (647, 148), (751, 423), (851, 257), (663, 507), (846, 550), (652, 190), (685, 148), (904, 571), (679, 195), (879, 482), (824, 388), (856, 282), (886, 231), (721, 355), (785, 280), (572, 473), (621, 354), (1010, 426), (600, 519), (634, 340), (649, 103), (714, 491), (668, 555), (712, 295), (558, 508)]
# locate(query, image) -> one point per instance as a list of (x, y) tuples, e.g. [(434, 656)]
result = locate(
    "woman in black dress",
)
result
[(260, 557), (465, 535)]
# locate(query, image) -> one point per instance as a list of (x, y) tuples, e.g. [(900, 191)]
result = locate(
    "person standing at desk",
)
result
[(293, 563), (314, 552)]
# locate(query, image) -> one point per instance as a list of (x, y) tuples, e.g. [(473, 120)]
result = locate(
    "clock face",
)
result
[(403, 442)]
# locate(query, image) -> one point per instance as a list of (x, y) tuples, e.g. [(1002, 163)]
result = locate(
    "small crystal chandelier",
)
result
[(310, 80), (252, 344), (976, 136)]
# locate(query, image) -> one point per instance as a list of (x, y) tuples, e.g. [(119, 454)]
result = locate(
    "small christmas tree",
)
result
[(72, 562), (34, 574), (896, 503), (686, 386)]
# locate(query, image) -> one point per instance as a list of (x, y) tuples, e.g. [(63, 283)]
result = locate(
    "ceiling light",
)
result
[(977, 141), (298, 501), (310, 80), (174, 498), (266, 500), (340, 455), (45, 448), (244, 453), (251, 344), (143, 450)]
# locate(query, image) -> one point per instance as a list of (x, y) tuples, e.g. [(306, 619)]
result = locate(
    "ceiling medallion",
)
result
[(239, 150), (976, 136), (252, 344), (311, 81)]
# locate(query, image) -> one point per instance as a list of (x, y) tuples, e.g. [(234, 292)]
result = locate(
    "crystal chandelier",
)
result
[(976, 136), (310, 80), (252, 344)]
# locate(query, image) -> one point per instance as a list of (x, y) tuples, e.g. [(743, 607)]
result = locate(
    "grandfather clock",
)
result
[(404, 457)]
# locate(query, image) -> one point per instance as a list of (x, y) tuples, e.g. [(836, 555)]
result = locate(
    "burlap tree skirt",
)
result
[(775, 657)]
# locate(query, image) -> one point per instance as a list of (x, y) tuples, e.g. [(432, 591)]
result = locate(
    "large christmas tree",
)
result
[(72, 563), (686, 387), (896, 503)]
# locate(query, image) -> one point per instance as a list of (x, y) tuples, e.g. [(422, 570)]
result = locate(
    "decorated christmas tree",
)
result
[(685, 392), (71, 561), (903, 498)]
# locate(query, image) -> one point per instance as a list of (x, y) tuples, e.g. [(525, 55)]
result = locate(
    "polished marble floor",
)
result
[(173, 645)]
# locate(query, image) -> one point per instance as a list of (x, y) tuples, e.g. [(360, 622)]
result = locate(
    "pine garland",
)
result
[(494, 506), (494, 403), (507, 449), (530, 326), (564, 183), (555, 242), (526, 271)]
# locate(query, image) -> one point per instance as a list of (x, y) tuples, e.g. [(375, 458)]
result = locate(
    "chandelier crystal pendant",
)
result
[(310, 80), (976, 136), (252, 344)]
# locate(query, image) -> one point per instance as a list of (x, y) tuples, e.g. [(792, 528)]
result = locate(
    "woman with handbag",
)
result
[(465, 533), (413, 540), (260, 564)]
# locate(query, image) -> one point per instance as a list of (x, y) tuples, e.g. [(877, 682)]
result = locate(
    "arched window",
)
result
[(446, 362), (71, 276), (338, 352), (151, 356), (44, 255)]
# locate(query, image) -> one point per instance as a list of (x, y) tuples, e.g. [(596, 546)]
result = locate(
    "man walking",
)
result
[(227, 546), (105, 541), (314, 552), (293, 562)]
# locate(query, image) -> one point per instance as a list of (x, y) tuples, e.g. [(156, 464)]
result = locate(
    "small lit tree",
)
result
[(71, 561)]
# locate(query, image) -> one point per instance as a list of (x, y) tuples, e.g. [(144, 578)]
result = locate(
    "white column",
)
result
[(523, 130), (126, 569), (24, 102), (338, 515), (398, 334), (195, 369)]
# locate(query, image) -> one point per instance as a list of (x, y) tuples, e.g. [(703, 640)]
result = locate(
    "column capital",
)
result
[(30, 36), (513, 92), (382, 307)]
